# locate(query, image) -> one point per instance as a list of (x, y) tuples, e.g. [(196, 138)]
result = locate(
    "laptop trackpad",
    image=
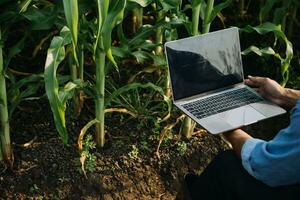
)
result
[(241, 116)]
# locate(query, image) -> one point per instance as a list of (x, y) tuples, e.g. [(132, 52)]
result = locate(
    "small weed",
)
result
[(89, 162), (167, 137), (119, 143), (133, 154), (181, 148), (144, 145)]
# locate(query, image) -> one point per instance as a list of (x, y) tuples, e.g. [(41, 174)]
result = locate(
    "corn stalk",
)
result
[(137, 17), (207, 16), (196, 7), (6, 149), (109, 15), (210, 13), (188, 125), (71, 14)]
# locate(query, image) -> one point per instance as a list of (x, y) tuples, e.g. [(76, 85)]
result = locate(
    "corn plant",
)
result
[(109, 15), (56, 96), (207, 11), (285, 62), (76, 64), (5, 145), (137, 13), (282, 12)]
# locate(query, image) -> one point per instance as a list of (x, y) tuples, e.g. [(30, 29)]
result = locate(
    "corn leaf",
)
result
[(71, 13), (31, 83), (218, 8), (258, 51), (169, 4), (143, 3), (67, 92), (55, 55), (276, 29), (24, 5), (114, 16), (265, 10), (15, 49), (41, 19), (195, 3)]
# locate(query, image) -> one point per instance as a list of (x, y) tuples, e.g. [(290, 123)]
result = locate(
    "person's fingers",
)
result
[(250, 83), (256, 81)]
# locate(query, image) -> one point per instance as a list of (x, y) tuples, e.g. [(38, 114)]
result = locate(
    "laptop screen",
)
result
[(204, 63)]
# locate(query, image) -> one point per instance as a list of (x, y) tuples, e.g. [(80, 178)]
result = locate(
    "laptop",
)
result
[(207, 82)]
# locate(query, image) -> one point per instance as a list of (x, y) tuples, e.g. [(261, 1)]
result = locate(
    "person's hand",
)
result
[(267, 88)]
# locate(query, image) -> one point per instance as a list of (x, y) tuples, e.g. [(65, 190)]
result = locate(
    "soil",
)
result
[(44, 168)]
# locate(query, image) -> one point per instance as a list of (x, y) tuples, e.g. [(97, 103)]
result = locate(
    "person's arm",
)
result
[(237, 138), (271, 90)]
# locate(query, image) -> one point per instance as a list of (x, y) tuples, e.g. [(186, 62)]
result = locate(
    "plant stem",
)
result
[(206, 23), (159, 33), (291, 23), (81, 63), (242, 7), (187, 128), (195, 19), (4, 131), (73, 69), (137, 18), (99, 102)]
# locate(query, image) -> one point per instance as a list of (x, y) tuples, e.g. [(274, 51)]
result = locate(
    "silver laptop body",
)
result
[(207, 82)]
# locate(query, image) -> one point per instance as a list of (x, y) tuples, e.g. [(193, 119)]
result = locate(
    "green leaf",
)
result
[(258, 51), (24, 5), (41, 19), (218, 8), (67, 92), (71, 13), (111, 58), (55, 55), (120, 52), (31, 84), (142, 56), (143, 3), (141, 35), (264, 29), (15, 49), (276, 29), (169, 4), (114, 16), (195, 3), (265, 10)]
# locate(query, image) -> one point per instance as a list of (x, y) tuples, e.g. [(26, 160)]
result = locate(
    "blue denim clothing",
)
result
[(276, 162)]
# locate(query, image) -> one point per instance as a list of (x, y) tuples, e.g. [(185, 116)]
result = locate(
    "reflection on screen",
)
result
[(199, 65)]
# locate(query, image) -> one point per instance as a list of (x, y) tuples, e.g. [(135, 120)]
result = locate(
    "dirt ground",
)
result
[(126, 168)]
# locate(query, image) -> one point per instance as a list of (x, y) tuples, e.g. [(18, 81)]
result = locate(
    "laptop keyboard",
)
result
[(221, 102)]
